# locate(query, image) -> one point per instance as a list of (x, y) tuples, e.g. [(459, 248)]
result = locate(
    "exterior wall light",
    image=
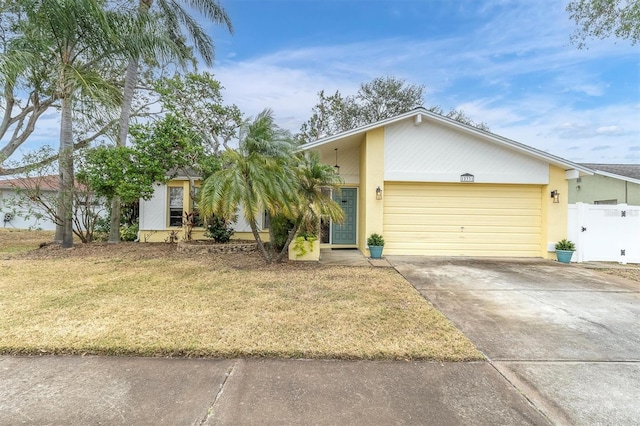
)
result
[(555, 195), (378, 193), (336, 168)]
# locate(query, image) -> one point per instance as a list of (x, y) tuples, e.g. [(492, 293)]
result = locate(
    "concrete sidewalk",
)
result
[(113, 390)]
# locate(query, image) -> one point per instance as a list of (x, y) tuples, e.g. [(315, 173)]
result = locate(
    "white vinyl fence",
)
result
[(606, 233)]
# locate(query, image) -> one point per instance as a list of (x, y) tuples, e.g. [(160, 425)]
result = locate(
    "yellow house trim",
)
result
[(371, 177), (554, 215)]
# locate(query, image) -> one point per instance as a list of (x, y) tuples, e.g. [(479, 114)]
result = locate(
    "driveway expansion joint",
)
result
[(216, 399), (547, 409), (524, 391), (566, 361), (536, 290)]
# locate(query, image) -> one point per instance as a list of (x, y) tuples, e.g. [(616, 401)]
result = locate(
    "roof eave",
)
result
[(552, 159), (616, 176)]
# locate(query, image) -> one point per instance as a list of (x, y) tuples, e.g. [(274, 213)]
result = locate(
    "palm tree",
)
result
[(175, 18), (312, 200), (258, 176), (68, 38)]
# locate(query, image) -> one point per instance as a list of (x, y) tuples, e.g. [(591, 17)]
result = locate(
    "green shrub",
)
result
[(129, 232), (101, 230), (219, 229), (280, 227), (375, 240), (303, 243), (565, 245)]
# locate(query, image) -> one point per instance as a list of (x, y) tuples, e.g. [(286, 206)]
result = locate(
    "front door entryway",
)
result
[(345, 233)]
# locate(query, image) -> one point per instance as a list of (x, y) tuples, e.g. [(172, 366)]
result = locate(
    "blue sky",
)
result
[(507, 63)]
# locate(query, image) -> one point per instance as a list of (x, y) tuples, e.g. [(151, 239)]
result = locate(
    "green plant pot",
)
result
[(376, 251), (564, 256)]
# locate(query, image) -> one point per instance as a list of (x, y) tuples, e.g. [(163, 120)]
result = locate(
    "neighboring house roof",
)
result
[(41, 183), (628, 172), (183, 173), (418, 114), (45, 183)]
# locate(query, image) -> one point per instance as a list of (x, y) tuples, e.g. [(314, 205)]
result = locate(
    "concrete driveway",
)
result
[(568, 338)]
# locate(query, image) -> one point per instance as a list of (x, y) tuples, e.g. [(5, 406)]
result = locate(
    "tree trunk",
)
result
[(130, 80), (285, 249), (261, 247), (66, 172), (114, 224), (271, 234), (57, 238)]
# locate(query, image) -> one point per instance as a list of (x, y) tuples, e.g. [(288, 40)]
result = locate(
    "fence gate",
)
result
[(605, 233)]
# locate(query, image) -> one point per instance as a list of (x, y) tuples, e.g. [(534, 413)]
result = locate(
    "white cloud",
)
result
[(578, 135), (609, 130)]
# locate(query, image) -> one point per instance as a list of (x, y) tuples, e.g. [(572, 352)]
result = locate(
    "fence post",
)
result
[(583, 227)]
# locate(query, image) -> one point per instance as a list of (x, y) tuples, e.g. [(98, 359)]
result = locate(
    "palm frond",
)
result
[(177, 17)]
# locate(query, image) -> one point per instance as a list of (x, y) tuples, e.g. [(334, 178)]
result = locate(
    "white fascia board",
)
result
[(359, 130), (615, 176)]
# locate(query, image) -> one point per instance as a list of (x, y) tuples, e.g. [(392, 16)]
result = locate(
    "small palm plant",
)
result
[(564, 250), (565, 244), (258, 175), (375, 240), (376, 244)]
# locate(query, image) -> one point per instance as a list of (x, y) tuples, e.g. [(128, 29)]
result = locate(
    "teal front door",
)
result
[(345, 233)]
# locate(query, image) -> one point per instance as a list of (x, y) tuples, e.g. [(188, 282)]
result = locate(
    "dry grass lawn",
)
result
[(16, 241), (147, 299)]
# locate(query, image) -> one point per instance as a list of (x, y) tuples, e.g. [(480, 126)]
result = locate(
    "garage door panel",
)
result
[(467, 220), (459, 220), (479, 238), (498, 191), (468, 251), (453, 246), (521, 210), (446, 205), (429, 231)]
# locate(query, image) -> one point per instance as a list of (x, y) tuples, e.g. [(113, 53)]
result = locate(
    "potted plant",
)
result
[(376, 244), (305, 246), (564, 250)]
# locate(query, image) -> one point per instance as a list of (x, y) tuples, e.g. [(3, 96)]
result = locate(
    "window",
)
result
[(606, 202), (175, 205), (266, 220)]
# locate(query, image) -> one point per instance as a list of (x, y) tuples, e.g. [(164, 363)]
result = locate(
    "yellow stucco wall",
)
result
[(554, 215), (371, 176), (362, 202)]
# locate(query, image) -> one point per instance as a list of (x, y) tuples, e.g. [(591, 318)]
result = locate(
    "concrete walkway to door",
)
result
[(349, 257), (568, 338)]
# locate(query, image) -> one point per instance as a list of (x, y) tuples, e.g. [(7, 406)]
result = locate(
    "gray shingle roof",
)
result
[(628, 170)]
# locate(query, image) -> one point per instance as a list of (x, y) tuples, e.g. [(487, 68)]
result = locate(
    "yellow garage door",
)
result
[(462, 219)]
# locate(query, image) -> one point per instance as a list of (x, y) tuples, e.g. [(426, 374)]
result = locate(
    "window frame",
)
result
[(172, 218)]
